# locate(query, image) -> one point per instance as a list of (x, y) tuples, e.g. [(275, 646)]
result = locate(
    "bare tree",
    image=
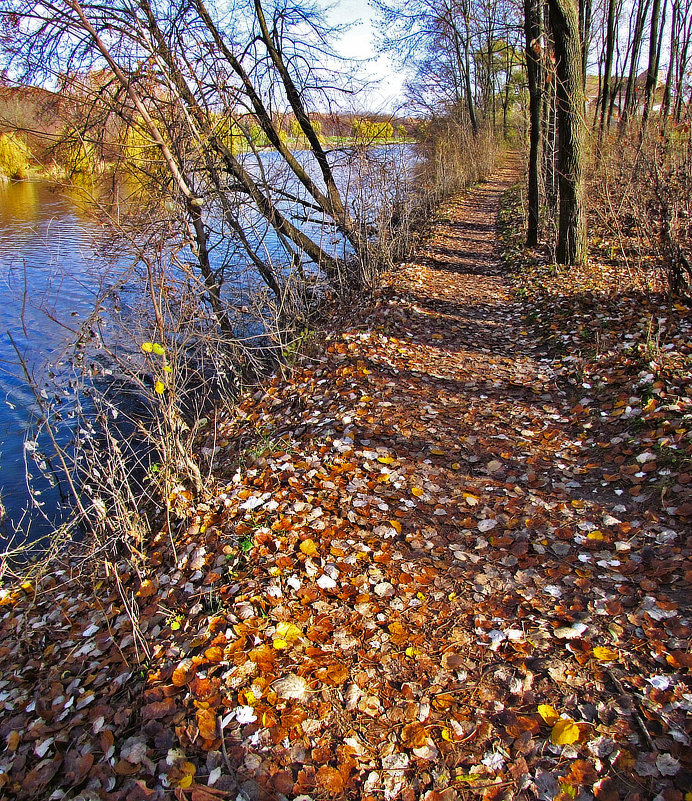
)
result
[(191, 83)]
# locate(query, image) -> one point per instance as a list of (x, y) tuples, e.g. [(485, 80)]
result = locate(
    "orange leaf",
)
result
[(214, 654), (334, 674), (330, 780), (184, 673), (206, 723)]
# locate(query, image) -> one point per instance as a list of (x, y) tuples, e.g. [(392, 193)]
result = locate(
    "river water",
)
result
[(50, 280)]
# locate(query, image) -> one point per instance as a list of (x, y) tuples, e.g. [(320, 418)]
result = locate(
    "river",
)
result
[(50, 280)]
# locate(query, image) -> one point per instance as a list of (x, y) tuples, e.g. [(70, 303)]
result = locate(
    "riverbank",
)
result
[(425, 577)]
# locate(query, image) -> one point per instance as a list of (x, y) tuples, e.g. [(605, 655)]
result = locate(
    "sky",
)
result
[(385, 93)]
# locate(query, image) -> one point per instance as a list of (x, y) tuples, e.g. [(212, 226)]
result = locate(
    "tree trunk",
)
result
[(564, 22), (631, 90), (607, 69), (532, 31), (652, 70), (585, 11)]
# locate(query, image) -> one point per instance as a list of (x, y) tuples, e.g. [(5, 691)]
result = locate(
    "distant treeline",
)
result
[(39, 131)]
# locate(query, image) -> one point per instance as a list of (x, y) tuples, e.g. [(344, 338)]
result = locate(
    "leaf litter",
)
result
[(443, 568)]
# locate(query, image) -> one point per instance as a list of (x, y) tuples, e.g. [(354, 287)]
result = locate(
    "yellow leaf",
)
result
[(366, 399), (308, 547), (158, 349), (446, 734), (159, 387), (186, 775), (595, 535), (250, 698), (437, 451), (548, 713), (456, 466), (279, 644), (412, 652), (288, 631), (396, 525), (147, 347), (565, 732), (417, 491), (420, 596), (167, 368), (185, 780), (385, 459), (384, 478), (605, 654)]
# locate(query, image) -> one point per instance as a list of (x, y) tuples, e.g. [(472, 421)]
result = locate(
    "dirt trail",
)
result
[(408, 579)]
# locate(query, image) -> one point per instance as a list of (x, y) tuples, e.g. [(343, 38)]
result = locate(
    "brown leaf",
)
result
[(147, 589), (159, 709), (330, 780), (36, 779), (414, 735), (77, 767)]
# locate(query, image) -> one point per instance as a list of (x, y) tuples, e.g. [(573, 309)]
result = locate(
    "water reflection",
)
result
[(48, 285)]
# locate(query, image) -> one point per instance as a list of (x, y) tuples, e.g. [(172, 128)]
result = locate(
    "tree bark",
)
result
[(532, 31), (564, 22)]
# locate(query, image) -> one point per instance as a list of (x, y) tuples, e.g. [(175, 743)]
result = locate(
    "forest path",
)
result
[(409, 580)]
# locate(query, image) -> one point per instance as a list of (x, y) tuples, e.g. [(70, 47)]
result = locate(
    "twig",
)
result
[(635, 712)]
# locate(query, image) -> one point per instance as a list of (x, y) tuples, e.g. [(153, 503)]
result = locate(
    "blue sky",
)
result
[(385, 92)]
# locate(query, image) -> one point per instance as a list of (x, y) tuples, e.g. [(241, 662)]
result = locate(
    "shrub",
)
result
[(14, 157)]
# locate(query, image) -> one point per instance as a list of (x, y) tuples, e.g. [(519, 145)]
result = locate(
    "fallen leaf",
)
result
[(548, 713), (330, 780), (206, 723), (564, 732), (604, 654), (308, 547)]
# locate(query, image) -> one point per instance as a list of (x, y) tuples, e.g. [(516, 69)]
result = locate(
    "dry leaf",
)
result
[(330, 780), (548, 713), (206, 723), (564, 732), (308, 547), (604, 654)]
